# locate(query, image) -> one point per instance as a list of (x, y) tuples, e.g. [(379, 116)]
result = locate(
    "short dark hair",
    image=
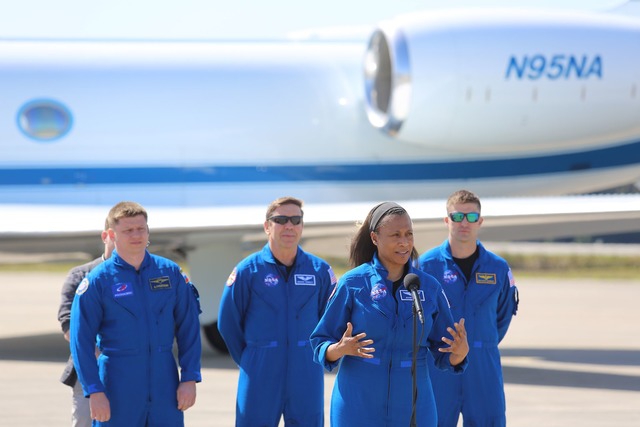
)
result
[(281, 201)]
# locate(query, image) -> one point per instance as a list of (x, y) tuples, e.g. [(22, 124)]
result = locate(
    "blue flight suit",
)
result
[(487, 303), (133, 317), (378, 392), (265, 319)]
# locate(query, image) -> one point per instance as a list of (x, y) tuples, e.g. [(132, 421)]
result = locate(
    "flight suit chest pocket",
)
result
[(124, 295), (270, 291), (160, 291), (374, 313), (483, 293)]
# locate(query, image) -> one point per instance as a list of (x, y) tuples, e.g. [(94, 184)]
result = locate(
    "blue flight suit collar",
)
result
[(120, 262), (267, 255), (129, 298), (446, 250)]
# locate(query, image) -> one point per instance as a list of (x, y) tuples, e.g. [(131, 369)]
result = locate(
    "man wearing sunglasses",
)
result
[(481, 289), (272, 302)]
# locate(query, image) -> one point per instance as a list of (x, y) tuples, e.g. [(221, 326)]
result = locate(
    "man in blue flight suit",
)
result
[(271, 304), (480, 288), (132, 306)]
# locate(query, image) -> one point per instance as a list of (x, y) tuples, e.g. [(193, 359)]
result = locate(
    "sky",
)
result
[(217, 20)]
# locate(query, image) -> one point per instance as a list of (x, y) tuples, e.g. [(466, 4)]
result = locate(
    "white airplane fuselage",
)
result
[(512, 103)]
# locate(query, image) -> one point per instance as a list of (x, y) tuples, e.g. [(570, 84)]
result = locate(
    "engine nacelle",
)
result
[(547, 81)]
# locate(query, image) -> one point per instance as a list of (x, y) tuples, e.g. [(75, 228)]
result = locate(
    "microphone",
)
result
[(412, 284)]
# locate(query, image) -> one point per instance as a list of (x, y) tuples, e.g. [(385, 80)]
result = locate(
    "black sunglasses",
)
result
[(283, 219), (459, 216)]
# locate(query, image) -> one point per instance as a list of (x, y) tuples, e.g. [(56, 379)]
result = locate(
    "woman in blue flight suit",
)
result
[(374, 384)]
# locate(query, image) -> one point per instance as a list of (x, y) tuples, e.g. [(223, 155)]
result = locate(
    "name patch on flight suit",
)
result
[(120, 290), (406, 295), (160, 283), (304, 280), (486, 278)]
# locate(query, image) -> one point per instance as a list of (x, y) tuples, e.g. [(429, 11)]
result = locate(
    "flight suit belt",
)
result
[(395, 363), (110, 352), (274, 344), (483, 344)]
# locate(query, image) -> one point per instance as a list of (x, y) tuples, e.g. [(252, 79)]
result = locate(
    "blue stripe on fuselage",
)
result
[(622, 155)]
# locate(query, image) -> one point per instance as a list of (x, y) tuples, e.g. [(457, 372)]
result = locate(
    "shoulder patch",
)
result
[(186, 278), (512, 280), (232, 277), (83, 286), (332, 276)]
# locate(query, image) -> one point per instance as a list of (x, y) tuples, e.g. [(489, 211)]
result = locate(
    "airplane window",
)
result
[(44, 120)]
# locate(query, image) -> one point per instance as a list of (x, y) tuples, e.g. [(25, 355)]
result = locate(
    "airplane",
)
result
[(527, 108)]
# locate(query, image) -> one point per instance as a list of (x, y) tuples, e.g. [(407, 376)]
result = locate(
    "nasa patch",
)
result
[(449, 277), (83, 286), (271, 280), (378, 292)]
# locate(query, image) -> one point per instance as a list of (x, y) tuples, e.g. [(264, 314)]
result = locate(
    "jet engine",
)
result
[(548, 81)]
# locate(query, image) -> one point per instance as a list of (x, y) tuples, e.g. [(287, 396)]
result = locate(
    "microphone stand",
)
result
[(414, 379)]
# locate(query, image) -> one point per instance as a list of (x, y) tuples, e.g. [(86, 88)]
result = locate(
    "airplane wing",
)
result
[(328, 226), (214, 239)]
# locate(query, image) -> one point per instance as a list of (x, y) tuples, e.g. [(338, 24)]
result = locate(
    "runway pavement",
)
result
[(571, 358)]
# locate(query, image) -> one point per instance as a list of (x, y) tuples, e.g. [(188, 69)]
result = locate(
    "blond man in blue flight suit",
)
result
[(481, 288), (132, 306)]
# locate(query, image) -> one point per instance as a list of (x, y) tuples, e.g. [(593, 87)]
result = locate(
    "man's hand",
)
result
[(186, 395), (99, 406)]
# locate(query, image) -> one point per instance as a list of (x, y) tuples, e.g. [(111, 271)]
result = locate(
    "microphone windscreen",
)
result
[(411, 281)]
